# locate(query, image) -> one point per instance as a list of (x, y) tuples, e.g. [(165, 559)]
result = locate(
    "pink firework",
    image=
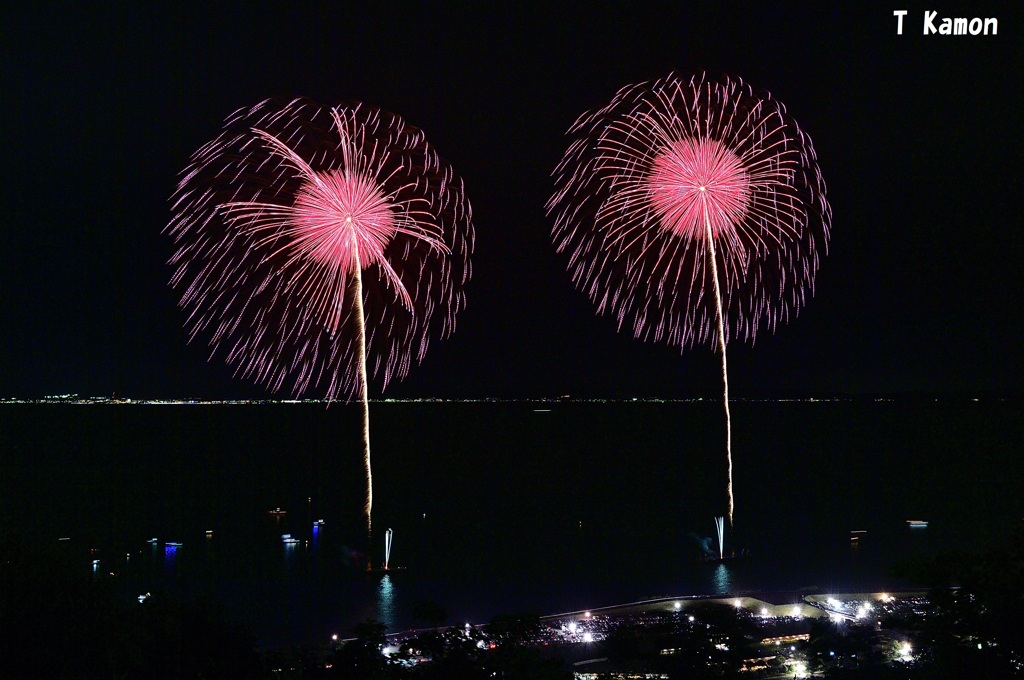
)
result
[(316, 246), (693, 210)]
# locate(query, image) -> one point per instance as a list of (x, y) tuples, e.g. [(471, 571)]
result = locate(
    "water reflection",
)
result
[(170, 556), (290, 547), (317, 526), (386, 602), (722, 580)]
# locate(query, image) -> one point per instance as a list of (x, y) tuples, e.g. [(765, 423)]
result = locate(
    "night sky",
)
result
[(918, 137)]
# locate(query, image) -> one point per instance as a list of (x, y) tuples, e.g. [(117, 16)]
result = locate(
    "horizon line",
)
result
[(879, 397)]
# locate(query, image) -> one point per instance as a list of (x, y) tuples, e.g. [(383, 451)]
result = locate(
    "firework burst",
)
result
[(316, 247), (694, 211)]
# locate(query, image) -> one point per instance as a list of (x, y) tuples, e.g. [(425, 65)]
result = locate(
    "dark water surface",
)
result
[(497, 507)]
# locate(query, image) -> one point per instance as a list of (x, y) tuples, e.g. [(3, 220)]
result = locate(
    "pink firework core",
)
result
[(696, 182), (339, 214)]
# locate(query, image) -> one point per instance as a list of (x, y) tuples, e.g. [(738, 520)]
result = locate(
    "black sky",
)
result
[(919, 139)]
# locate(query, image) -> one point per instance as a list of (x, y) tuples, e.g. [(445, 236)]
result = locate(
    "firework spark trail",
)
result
[(316, 247), (364, 387), (694, 210), (725, 371), (387, 548)]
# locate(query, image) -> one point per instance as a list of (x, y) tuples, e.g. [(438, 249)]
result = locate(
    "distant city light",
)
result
[(737, 603), (764, 611), (678, 605), (796, 611), (587, 637)]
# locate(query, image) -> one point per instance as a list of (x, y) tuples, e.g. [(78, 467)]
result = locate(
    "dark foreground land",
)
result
[(56, 623)]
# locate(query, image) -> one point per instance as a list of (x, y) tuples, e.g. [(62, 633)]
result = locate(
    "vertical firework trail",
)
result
[(725, 369), (316, 246), (364, 389), (693, 209), (720, 526)]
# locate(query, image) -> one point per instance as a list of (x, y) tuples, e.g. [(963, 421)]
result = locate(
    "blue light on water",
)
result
[(170, 555), (386, 602)]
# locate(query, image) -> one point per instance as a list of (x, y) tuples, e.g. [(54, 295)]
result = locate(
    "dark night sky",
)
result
[(919, 139)]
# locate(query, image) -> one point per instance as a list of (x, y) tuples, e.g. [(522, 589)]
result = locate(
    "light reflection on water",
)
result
[(170, 557), (386, 602), (722, 580)]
